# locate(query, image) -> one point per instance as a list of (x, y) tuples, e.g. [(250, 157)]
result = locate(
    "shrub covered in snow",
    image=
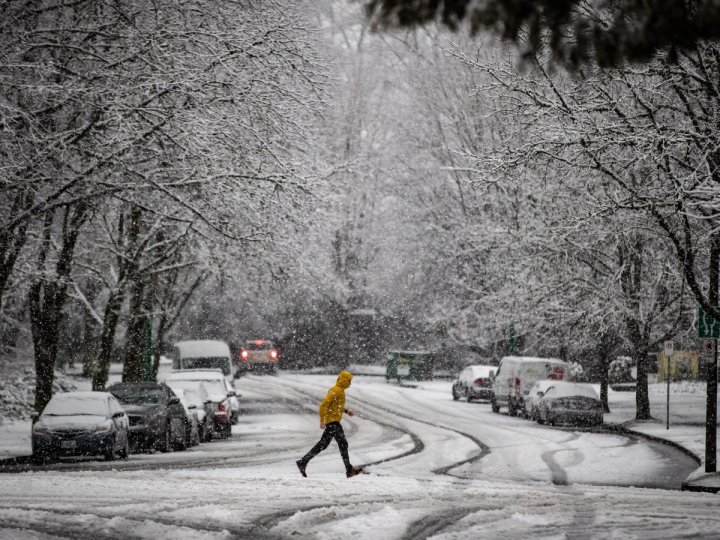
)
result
[(17, 392), (621, 370), (576, 372)]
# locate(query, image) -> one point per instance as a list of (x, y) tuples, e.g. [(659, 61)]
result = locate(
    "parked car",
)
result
[(258, 355), (157, 418), (192, 426), (81, 423), (516, 374), (572, 403), (474, 382), (216, 387), (531, 400), (203, 354), (196, 395)]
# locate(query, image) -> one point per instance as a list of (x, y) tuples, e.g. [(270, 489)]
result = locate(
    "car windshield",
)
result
[(67, 405), (209, 362), (135, 395)]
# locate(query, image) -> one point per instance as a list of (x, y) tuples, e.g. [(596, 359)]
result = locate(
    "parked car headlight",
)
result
[(107, 425), (41, 428)]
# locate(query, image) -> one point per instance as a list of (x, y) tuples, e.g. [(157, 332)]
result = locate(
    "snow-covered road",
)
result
[(440, 469)]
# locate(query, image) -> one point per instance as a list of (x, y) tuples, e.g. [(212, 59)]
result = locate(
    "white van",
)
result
[(204, 354), (516, 375)]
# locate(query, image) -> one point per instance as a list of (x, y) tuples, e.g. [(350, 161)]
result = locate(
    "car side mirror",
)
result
[(492, 375), (541, 394), (34, 416), (174, 400), (231, 394), (119, 414)]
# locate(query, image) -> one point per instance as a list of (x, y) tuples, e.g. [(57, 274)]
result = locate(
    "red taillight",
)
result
[(221, 407), (244, 354), (517, 382), (481, 381), (273, 354), (259, 342)]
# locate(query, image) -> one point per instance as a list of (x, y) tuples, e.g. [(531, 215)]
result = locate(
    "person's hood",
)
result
[(343, 380)]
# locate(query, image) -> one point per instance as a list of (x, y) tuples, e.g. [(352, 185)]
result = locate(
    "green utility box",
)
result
[(409, 365)]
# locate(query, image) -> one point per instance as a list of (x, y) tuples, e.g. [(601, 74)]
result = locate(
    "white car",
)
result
[(536, 392), (474, 382), (570, 403), (198, 400), (219, 392), (192, 426)]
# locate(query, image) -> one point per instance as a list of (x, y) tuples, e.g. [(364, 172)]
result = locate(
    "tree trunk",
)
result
[(12, 241), (642, 398), (158, 343), (47, 296), (133, 364), (127, 267), (90, 331), (107, 339)]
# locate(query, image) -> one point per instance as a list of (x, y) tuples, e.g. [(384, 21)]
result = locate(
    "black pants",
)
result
[(333, 430)]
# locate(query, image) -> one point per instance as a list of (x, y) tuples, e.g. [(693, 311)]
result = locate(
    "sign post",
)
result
[(668, 349), (709, 327)]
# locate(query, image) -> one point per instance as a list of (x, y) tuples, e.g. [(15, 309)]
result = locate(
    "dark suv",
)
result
[(157, 418)]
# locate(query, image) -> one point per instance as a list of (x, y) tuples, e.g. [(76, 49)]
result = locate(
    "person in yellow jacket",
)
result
[(331, 411)]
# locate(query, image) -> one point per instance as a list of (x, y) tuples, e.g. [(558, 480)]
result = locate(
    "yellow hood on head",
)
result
[(344, 378)]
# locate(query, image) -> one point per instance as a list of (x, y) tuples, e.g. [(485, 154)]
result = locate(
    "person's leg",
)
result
[(322, 444), (343, 446)]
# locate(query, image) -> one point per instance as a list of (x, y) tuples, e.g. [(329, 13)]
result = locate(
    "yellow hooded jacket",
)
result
[(333, 406)]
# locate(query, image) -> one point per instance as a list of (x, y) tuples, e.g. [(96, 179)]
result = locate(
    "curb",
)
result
[(620, 428)]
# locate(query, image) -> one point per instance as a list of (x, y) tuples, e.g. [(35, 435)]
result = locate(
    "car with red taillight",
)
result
[(258, 355), (474, 382)]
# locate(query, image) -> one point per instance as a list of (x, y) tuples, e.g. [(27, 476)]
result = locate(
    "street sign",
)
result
[(668, 348), (708, 327)]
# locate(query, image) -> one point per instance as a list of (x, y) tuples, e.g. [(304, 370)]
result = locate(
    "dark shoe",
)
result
[(301, 467), (353, 472)]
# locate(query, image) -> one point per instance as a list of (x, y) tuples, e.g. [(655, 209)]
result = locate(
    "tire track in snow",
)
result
[(418, 444)]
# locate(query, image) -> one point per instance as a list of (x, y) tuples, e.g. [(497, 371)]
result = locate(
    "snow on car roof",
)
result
[(71, 403), (202, 348), (481, 371), (567, 389), (195, 375)]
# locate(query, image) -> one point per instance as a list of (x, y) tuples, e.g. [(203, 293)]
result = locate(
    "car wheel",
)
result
[(125, 452), (454, 394), (512, 411), (494, 407), (181, 445), (166, 441), (109, 455)]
